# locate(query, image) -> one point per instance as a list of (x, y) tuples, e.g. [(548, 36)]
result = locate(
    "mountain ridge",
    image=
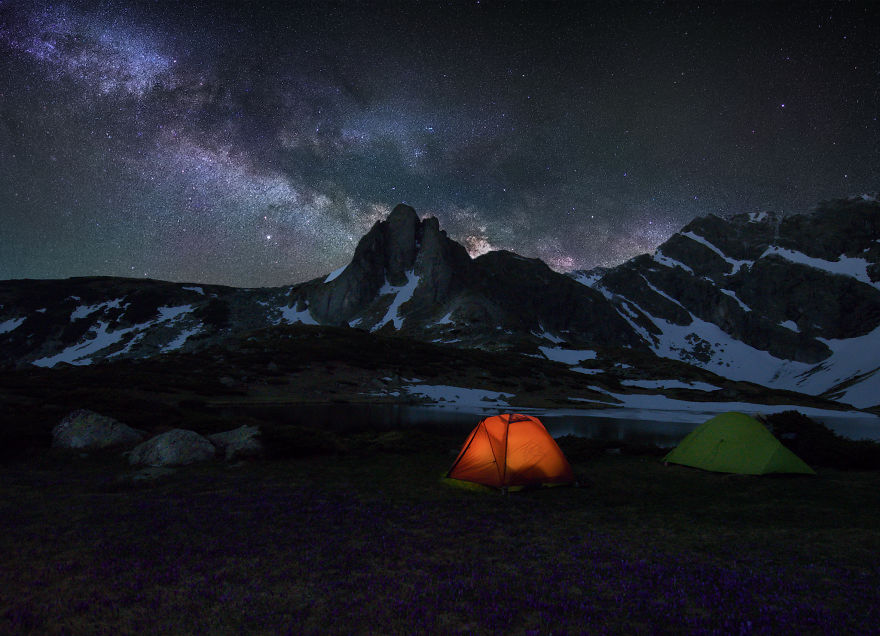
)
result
[(788, 292)]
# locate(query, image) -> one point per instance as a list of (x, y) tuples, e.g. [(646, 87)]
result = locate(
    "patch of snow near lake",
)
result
[(730, 358), (546, 335), (335, 274), (790, 324), (10, 325), (736, 360), (459, 396), (587, 371), (851, 357), (402, 294), (660, 407), (567, 356), (670, 384), (845, 265), (290, 315), (862, 394), (197, 290)]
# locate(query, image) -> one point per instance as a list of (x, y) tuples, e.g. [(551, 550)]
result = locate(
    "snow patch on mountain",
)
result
[(10, 325), (446, 320), (173, 313), (659, 291), (661, 258), (546, 335), (587, 371), (181, 338), (85, 310), (733, 295), (568, 356), (588, 278), (734, 263), (706, 345), (195, 289), (670, 384), (79, 354), (290, 315), (851, 359), (402, 294), (335, 274), (791, 325), (103, 337), (845, 265), (459, 396)]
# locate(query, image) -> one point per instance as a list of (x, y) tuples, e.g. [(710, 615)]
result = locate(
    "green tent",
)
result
[(736, 443)]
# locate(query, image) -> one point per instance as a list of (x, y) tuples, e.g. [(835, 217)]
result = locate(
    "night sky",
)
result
[(254, 145)]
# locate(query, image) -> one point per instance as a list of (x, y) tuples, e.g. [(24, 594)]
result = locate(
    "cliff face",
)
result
[(782, 292), (407, 274)]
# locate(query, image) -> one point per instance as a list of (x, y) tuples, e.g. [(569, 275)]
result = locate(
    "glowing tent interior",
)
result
[(511, 451)]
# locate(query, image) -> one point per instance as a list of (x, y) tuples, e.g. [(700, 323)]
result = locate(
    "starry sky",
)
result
[(253, 144)]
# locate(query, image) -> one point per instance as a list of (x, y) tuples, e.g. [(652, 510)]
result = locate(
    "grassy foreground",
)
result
[(369, 541)]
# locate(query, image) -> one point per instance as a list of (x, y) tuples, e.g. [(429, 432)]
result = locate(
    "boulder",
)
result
[(239, 442), (84, 429), (174, 448)]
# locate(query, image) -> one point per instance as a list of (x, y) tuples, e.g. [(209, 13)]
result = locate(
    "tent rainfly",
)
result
[(511, 451), (736, 443)]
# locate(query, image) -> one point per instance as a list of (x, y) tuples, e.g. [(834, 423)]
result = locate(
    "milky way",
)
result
[(254, 146)]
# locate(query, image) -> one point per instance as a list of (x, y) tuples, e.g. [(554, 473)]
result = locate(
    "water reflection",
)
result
[(640, 427)]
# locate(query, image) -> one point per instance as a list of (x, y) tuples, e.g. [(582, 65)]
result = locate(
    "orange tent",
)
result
[(511, 451)]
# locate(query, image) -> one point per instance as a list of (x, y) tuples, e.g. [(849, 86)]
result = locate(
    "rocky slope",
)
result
[(786, 301), (409, 276)]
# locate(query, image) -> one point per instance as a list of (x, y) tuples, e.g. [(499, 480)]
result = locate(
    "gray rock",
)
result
[(87, 429), (239, 442), (174, 448)]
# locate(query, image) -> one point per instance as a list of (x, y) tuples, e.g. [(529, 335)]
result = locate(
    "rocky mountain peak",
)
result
[(401, 233), (402, 213), (391, 255)]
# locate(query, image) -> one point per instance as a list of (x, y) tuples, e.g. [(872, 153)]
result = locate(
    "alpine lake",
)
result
[(634, 426)]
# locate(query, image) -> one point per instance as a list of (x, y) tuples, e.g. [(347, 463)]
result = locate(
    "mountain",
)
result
[(785, 301), (791, 302), (406, 276)]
